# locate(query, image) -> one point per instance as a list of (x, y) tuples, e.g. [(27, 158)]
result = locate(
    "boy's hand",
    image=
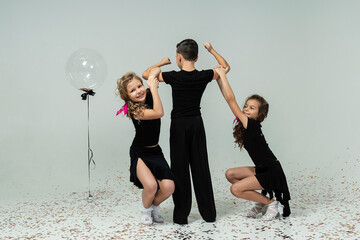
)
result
[(208, 46), (152, 82), (165, 61)]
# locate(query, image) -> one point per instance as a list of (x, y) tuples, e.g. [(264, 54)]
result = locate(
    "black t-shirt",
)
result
[(187, 90), (146, 131), (256, 145)]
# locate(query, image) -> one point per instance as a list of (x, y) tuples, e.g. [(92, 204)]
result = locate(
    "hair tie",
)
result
[(123, 109), (236, 119)]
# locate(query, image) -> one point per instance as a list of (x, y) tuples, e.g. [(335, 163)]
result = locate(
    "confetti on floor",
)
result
[(322, 208)]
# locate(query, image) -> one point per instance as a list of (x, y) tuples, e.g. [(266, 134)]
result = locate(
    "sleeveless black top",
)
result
[(146, 131), (256, 145)]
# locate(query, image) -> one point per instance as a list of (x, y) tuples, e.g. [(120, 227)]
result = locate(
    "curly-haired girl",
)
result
[(148, 167)]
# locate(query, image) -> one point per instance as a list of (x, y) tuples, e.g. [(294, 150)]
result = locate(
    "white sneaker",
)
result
[(146, 215), (255, 210), (156, 215), (275, 209)]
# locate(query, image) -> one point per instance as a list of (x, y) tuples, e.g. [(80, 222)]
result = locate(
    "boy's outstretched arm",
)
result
[(157, 111), (229, 95), (218, 58), (163, 62)]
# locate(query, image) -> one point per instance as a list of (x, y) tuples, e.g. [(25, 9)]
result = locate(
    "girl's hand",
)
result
[(152, 82), (208, 46), (221, 70), (165, 61), (154, 72)]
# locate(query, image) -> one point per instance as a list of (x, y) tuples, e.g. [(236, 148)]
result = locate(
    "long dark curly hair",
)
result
[(134, 108), (239, 129)]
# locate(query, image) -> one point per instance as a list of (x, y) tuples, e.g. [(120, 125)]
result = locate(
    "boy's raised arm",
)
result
[(218, 58), (163, 62)]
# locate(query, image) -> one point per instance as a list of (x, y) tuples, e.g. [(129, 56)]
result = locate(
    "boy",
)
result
[(187, 133)]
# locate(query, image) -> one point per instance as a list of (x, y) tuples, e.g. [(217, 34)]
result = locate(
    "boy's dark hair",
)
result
[(188, 48)]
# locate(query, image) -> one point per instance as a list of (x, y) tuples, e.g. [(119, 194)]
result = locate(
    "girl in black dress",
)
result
[(148, 167), (267, 175)]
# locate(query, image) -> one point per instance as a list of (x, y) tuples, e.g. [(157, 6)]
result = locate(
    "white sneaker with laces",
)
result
[(255, 210), (156, 215), (275, 209)]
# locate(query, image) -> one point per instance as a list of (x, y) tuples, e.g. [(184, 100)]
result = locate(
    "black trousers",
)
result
[(188, 148)]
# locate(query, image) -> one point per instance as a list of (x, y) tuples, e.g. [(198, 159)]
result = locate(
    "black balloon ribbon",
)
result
[(86, 93), (84, 96)]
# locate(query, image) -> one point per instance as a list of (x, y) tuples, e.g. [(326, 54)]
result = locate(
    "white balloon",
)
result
[(86, 69)]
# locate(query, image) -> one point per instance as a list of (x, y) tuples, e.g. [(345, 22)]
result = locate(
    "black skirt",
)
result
[(272, 178), (154, 160)]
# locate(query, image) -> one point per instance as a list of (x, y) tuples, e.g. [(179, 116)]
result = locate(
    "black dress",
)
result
[(147, 134), (268, 170)]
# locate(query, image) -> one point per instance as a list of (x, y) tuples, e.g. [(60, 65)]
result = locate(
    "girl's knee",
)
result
[(229, 174), (150, 187), (232, 189), (168, 187), (236, 190)]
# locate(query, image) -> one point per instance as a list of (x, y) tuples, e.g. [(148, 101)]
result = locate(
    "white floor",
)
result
[(321, 209)]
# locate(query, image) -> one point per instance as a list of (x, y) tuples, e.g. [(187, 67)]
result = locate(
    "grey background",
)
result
[(302, 56)]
